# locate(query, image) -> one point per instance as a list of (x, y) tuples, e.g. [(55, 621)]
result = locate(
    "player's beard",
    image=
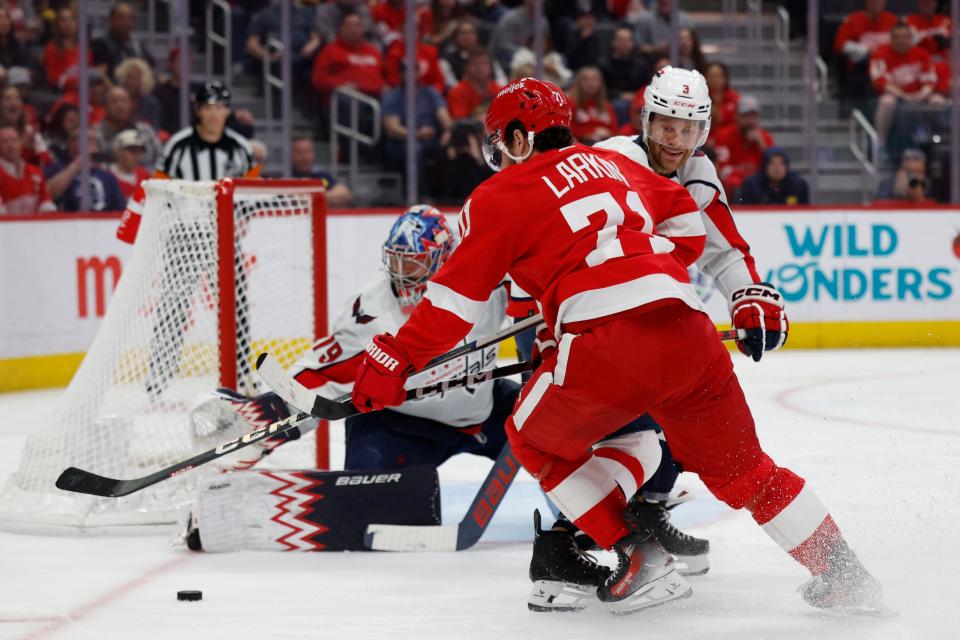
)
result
[(655, 150)]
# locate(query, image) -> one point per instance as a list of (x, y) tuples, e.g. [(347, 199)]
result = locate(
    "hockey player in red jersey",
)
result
[(604, 248)]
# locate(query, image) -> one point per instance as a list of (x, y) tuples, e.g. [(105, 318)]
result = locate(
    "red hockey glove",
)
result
[(544, 345), (758, 310), (381, 375)]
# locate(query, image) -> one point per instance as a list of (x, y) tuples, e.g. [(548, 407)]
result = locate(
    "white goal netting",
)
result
[(219, 273)]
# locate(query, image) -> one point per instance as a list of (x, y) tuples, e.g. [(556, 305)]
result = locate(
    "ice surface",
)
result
[(876, 433)]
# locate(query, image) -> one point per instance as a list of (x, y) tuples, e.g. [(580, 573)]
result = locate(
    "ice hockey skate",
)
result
[(646, 575), (691, 553), (565, 576), (846, 587)]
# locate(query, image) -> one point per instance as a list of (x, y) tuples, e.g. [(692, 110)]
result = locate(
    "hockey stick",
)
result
[(306, 400)]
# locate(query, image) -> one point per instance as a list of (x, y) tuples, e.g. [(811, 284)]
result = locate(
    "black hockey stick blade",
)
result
[(285, 386), (451, 537), (80, 481)]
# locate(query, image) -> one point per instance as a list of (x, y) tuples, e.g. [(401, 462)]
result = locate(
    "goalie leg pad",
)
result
[(309, 510)]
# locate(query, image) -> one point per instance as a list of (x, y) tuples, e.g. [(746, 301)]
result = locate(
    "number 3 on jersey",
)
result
[(577, 214)]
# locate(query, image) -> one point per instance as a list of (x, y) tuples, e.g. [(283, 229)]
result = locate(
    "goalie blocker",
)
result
[(307, 510)]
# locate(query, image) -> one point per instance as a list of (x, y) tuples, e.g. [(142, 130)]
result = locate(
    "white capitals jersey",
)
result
[(726, 257), (331, 367)]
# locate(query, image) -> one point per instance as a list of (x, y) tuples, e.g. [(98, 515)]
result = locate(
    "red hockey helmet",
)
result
[(537, 104)]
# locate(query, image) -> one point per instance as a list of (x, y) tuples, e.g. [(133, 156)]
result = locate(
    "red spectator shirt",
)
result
[(859, 27), (725, 109), (588, 119), (341, 64), (26, 193), (129, 182), (428, 65), (60, 64), (910, 71), (390, 20), (736, 157), (926, 29), (587, 232), (463, 101)]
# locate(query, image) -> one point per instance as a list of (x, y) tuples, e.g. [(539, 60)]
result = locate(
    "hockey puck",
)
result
[(190, 595)]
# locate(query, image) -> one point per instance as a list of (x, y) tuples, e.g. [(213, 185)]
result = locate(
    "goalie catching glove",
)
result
[(758, 310), (382, 374)]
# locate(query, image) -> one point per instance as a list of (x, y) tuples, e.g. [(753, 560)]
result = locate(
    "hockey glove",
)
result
[(544, 345), (758, 310), (381, 375)]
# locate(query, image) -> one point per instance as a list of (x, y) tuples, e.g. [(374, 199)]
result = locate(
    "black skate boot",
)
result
[(692, 554), (645, 576), (565, 577), (845, 586)]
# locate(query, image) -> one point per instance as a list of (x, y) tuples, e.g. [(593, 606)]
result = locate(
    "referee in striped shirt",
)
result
[(209, 150)]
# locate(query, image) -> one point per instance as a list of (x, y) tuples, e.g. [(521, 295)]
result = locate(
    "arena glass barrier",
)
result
[(851, 277)]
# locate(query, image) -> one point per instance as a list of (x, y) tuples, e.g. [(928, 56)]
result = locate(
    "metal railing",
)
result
[(352, 130), (222, 40), (823, 79), (271, 83), (781, 39), (865, 147)]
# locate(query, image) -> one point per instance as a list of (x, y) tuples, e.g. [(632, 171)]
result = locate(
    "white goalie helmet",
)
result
[(679, 94)]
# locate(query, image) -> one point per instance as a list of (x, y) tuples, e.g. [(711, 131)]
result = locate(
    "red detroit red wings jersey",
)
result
[(587, 232)]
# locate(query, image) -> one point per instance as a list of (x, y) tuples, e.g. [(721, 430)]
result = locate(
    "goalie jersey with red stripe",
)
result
[(331, 366), (587, 233)]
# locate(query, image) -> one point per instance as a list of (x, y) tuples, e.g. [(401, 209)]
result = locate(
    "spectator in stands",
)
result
[(303, 158), (775, 183), (19, 77), (12, 51), (861, 33), (903, 72), (464, 167), (63, 180), (12, 114), (582, 42), (432, 123), (555, 69), (61, 122), (723, 98), (931, 32), (513, 32), (128, 149), (428, 64), (331, 14), (119, 43), (440, 22), (593, 116), (60, 56), (454, 60), (134, 75), (624, 71), (913, 162), (23, 188), (304, 39), (26, 23), (389, 17), (349, 61), (740, 146), (472, 95), (654, 31), (689, 54), (119, 117)]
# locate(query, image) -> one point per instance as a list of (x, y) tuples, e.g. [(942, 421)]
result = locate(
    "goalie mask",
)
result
[(536, 104), (418, 244), (676, 109)]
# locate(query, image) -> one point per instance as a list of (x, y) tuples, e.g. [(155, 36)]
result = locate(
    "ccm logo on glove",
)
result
[(756, 292), (380, 357)]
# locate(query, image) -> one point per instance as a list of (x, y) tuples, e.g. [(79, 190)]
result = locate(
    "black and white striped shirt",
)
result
[(187, 156)]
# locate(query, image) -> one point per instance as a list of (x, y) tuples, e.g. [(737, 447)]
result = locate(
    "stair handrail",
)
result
[(351, 130), (868, 155), (223, 40)]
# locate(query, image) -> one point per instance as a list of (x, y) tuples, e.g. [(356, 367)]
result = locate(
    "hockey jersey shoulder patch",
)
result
[(358, 315)]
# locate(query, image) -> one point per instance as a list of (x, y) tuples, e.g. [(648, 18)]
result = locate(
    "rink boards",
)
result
[(851, 277)]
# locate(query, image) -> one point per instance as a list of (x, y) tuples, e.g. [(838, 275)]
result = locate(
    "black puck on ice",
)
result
[(189, 595)]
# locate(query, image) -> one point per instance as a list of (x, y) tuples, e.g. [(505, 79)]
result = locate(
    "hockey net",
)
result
[(220, 272)]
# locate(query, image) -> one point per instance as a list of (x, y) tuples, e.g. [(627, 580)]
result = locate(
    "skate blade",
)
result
[(661, 591), (548, 596), (692, 565)]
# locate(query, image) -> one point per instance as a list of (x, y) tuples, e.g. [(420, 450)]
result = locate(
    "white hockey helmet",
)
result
[(682, 94)]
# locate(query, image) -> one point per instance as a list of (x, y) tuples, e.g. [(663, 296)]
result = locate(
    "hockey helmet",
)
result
[(678, 94), (536, 104), (417, 245), (212, 92)]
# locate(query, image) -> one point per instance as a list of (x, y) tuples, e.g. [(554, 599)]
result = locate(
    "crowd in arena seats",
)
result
[(895, 68)]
